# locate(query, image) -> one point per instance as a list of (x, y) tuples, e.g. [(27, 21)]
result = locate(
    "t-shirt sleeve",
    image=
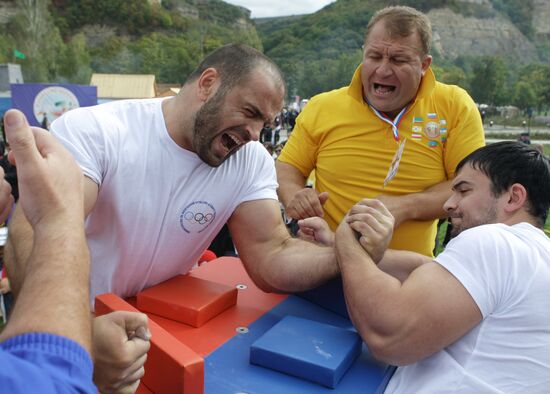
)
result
[(466, 134), (472, 258), (301, 148), (262, 179), (80, 133), (45, 363)]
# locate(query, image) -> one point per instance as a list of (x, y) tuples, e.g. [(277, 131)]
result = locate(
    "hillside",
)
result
[(320, 51), (498, 49), (70, 39)]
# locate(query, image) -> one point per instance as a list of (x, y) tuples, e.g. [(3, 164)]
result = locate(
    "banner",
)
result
[(44, 103)]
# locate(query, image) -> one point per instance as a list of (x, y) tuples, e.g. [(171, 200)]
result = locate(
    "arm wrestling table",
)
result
[(214, 358)]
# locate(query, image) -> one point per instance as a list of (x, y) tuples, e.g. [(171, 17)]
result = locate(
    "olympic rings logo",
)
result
[(196, 216)]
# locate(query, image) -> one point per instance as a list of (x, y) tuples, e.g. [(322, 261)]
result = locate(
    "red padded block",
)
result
[(187, 299), (171, 366)]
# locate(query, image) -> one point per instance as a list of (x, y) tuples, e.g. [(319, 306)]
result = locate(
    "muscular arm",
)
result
[(402, 322), (424, 205), (20, 241), (299, 201), (273, 259)]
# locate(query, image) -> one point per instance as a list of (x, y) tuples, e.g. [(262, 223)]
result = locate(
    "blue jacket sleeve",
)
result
[(45, 363)]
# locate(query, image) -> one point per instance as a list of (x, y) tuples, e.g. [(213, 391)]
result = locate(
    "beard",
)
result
[(205, 129), (490, 216)]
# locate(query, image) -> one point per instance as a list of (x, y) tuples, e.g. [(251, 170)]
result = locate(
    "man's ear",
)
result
[(208, 83), (426, 64), (517, 198)]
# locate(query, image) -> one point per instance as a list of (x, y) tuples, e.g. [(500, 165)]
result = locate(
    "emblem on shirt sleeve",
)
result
[(432, 130), (197, 216)]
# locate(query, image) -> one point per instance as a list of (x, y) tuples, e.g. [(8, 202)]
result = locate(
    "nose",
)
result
[(255, 129), (384, 69), (450, 204)]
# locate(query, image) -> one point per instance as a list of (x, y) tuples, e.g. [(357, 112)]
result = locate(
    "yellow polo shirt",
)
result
[(351, 149)]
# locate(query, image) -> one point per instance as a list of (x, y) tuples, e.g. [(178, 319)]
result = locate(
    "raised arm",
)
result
[(300, 202), (273, 259), (21, 235), (54, 289), (401, 322)]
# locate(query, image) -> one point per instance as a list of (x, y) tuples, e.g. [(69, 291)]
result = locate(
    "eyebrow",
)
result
[(259, 114), (459, 184)]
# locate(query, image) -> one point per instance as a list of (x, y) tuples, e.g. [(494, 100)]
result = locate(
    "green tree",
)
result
[(75, 61), (35, 35), (524, 95), (488, 80)]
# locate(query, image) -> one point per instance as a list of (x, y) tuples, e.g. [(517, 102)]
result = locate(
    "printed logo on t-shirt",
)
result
[(197, 216)]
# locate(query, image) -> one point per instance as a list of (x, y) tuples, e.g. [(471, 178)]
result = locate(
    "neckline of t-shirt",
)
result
[(177, 150)]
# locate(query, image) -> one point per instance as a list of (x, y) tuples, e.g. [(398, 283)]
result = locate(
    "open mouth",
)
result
[(383, 89), (232, 141)]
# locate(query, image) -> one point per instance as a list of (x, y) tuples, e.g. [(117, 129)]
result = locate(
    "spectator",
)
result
[(394, 134), (45, 347)]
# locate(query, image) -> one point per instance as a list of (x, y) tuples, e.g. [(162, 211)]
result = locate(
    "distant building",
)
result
[(124, 86)]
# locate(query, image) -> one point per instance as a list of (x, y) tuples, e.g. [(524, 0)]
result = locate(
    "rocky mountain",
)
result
[(517, 30)]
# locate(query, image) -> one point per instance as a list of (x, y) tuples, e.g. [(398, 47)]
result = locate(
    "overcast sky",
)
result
[(265, 8)]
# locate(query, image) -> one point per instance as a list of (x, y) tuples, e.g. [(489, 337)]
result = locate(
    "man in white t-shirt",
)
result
[(162, 176), (476, 318)]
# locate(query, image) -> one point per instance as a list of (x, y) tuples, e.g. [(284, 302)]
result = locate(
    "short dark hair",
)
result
[(235, 63), (402, 21), (509, 162)]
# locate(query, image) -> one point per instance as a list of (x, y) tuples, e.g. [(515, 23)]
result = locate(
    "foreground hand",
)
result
[(50, 182), (317, 230), (306, 203), (120, 346), (374, 223)]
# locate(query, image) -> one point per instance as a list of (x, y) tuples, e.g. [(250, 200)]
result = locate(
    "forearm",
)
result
[(424, 205), (289, 265), (364, 286), (290, 180), (300, 265), (54, 297), (400, 263), (18, 248), (428, 204), (378, 303)]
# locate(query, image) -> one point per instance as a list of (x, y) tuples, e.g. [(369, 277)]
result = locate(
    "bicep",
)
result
[(440, 309)]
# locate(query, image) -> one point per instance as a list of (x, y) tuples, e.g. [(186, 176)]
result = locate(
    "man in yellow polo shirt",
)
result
[(394, 133)]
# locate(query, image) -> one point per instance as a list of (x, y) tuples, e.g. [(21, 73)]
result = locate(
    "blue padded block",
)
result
[(329, 296), (310, 350)]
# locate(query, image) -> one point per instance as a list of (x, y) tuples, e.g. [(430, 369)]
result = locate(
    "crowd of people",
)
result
[(386, 157)]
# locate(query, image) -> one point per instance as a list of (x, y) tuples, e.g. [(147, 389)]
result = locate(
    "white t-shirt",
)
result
[(159, 206), (506, 270)]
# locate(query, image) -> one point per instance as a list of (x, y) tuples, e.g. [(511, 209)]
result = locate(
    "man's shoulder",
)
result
[(329, 97), (500, 236), (449, 92)]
